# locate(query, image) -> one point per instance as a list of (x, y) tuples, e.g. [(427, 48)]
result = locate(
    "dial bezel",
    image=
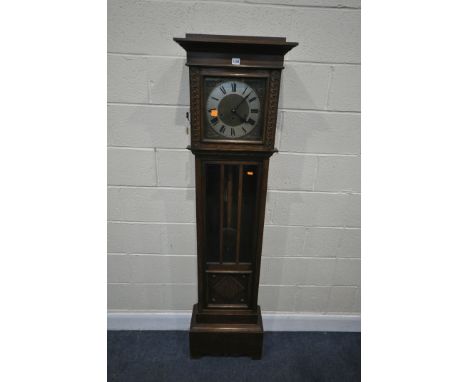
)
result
[(234, 76)]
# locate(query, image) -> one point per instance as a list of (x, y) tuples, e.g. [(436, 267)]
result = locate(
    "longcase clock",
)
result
[(234, 90)]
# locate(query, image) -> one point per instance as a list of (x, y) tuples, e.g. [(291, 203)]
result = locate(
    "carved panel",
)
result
[(228, 288), (195, 99), (272, 107)]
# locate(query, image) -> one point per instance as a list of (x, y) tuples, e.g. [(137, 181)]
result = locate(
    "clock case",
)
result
[(231, 180)]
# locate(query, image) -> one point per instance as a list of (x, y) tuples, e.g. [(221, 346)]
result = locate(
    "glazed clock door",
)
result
[(231, 197)]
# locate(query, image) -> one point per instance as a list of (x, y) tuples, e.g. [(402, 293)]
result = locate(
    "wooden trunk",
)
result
[(230, 190)]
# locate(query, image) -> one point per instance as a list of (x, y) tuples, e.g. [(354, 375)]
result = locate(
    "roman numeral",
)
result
[(244, 90), (222, 89), (243, 128), (222, 129), (252, 99), (215, 99), (254, 111), (233, 86), (251, 121), (214, 120), (233, 132)]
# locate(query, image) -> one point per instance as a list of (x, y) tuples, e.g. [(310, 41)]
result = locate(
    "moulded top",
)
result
[(229, 44)]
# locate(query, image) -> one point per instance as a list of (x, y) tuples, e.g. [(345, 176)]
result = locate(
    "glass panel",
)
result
[(231, 185), (224, 192), (248, 219), (212, 211)]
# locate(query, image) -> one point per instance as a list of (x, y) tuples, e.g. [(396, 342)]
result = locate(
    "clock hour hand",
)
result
[(236, 113)]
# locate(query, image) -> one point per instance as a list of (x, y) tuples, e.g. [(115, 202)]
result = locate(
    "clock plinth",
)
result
[(234, 333), (234, 92)]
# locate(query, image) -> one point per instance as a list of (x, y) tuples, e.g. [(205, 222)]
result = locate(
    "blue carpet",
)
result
[(142, 356)]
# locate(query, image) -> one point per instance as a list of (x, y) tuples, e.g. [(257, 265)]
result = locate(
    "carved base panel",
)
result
[(241, 337)]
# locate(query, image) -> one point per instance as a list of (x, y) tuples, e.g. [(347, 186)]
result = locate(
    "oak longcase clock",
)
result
[(234, 90)]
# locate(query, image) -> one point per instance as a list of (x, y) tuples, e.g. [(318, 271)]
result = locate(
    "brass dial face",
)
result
[(234, 108)]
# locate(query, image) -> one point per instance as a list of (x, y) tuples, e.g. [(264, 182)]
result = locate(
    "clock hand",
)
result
[(236, 113), (243, 99)]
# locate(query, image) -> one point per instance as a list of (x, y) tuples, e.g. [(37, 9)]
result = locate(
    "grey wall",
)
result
[(311, 256)]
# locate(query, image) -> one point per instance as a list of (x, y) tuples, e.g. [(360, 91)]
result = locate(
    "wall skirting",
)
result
[(307, 322)]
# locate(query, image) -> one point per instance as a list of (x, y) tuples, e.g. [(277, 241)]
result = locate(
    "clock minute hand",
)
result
[(243, 99)]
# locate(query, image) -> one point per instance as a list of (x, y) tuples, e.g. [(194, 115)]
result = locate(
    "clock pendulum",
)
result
[(234, 91)]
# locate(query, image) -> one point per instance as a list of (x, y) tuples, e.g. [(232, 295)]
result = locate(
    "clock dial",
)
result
[(233, 109)]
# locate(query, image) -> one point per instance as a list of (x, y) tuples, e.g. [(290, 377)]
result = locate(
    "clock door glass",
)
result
[(230, 212), (248, 224), (234, 108)]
